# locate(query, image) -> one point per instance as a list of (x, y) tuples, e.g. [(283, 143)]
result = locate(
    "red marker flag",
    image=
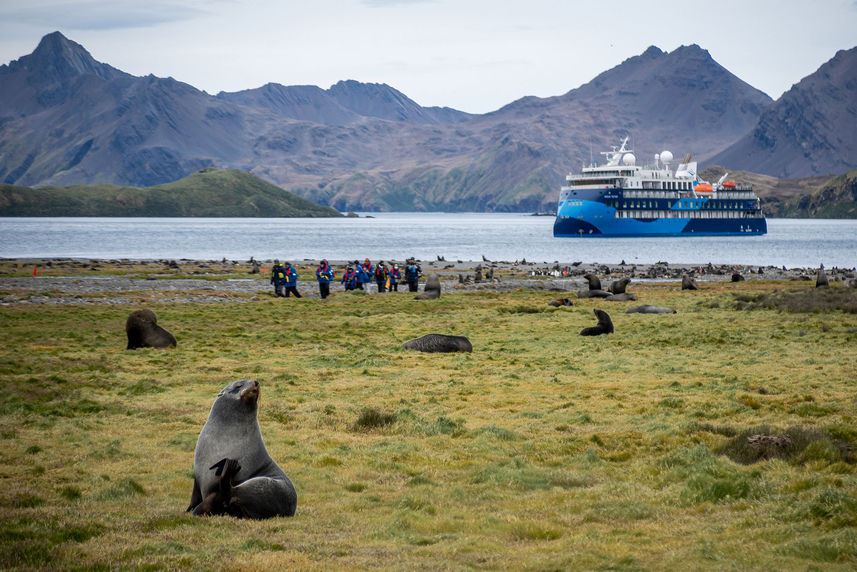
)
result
[(264, 270), (35, 268)]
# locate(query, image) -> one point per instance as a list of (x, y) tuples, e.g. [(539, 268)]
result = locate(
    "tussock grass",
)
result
[(540, 450)]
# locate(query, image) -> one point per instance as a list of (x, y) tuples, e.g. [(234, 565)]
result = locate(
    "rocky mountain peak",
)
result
[(57, 59)]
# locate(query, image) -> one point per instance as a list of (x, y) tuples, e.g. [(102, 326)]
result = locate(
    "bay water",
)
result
[(396, 236)]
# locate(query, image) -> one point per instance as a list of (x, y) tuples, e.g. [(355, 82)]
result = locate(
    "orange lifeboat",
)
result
[(703, 188), (730, 184)]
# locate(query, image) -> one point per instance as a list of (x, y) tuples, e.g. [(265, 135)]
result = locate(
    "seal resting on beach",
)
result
[(618, 286), (232, 471), (431, 289), (649, 309), (560, 302), (594, 281), (144, 332), (439, 343), (604, 326), (593, 293), (736, 277), (688, 283), (623, 297)]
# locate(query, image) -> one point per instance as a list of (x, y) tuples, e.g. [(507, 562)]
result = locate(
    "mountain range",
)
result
[(67, 119)]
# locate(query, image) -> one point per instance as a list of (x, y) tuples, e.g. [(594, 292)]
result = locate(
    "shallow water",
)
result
[(395, 236)]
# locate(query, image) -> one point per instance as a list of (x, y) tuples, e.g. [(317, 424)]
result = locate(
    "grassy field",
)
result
[(540, 450)]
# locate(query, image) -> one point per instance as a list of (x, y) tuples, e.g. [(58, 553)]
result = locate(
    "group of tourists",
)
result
[(357, 276)]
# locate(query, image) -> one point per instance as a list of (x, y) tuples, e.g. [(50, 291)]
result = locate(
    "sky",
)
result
[(471, 55)]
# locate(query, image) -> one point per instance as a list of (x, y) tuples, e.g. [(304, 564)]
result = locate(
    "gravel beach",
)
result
[(72, 281)]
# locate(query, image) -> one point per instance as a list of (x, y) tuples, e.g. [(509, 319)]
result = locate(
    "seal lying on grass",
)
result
[(560, 302), (649, 309), (144, 332), (439, 343), (232, 471), (604, 326)]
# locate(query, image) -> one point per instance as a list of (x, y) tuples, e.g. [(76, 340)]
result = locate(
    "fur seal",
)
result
[(821, 279), (439, 343), (736, 277), (604, 326), (593, 293), (688, 283), (623, 297), (649, 309), (594, 281), (618, 286), (144, 332), (232, 471), (431, 289), (560, 302)]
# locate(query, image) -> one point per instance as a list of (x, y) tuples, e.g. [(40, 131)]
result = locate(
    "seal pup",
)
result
[(649, 309), (593, 293), (560, 302), (604, 326), (688, 283), (439, 343), (821, 279), (144, 332), (594, 281), (431, 289), (618, 286), (232, 470)]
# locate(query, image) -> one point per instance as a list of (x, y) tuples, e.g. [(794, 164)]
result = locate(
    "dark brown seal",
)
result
[(431, 290), (593, 293), (144, 332), (594, 281), (821, 279), (439, 343), (232, 471), (688, 283), (604, 326), (618, 286), (623, 297)]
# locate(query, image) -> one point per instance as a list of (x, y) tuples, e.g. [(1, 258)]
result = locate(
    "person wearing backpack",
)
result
[(278, 277), (381, 277), (363, 277), (291, 282), (324, 274)]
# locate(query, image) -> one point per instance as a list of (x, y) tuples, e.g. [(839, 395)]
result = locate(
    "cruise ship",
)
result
[(621, 198)]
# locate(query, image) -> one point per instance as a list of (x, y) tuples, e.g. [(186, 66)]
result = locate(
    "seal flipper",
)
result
[(195, 496)]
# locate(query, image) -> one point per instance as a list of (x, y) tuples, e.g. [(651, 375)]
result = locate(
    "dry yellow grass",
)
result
[(541, 450)]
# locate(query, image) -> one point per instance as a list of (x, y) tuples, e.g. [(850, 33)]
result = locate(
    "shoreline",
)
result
[(55, 281)]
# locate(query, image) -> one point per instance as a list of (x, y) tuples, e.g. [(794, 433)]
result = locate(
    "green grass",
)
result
[(540, 450)]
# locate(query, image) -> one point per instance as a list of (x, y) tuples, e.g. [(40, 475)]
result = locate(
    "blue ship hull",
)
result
[(595, 219)]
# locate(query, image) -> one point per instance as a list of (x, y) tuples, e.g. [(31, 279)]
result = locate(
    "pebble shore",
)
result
[(75, 281)]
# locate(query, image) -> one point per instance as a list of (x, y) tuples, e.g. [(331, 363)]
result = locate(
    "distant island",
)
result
[(207, 193)]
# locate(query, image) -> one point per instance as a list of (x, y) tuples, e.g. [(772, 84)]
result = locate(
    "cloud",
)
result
[(381, 3), (98, 14)]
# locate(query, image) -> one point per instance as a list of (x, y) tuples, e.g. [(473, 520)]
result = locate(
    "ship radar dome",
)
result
[(666, 157), (629, 159)]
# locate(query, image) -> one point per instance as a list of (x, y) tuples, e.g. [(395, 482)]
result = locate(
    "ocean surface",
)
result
[(396, 236)]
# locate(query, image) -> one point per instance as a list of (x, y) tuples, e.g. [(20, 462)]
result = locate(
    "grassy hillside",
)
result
[(540, 450), (207, 193)]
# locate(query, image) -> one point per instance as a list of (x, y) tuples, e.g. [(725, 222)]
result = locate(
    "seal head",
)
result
[(232, 470)]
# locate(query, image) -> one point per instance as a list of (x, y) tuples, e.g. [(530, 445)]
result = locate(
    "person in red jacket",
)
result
[(395, 277)]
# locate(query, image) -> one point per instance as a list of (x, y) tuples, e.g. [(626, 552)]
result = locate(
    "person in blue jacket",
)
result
[(324, 274), (363, 277), (395, 277), (412, 275), (349, 279), (291, 283)]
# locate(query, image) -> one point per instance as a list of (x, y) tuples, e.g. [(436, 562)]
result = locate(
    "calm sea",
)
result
[(395, 236)]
